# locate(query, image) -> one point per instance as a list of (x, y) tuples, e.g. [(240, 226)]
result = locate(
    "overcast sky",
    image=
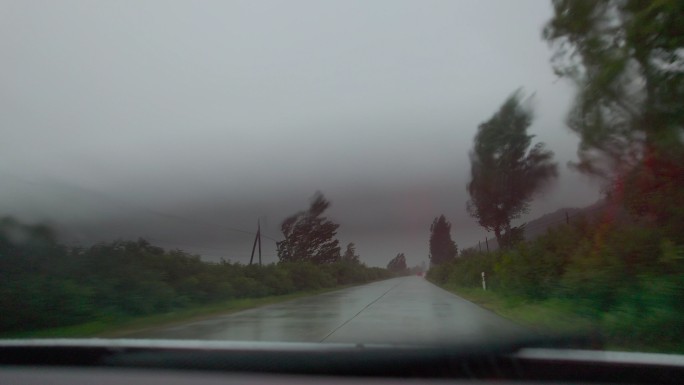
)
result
[(184, 121)]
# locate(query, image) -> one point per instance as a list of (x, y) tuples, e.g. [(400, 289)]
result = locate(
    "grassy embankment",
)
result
[(544, 317), (48, 289), (559, 317), (622, 282), (125, 325)]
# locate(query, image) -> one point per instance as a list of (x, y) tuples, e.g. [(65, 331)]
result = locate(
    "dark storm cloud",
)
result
[(180, 121)]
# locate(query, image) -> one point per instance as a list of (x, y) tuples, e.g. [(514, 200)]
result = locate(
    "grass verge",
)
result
[(556, 316), (550, 316), (117, 327)]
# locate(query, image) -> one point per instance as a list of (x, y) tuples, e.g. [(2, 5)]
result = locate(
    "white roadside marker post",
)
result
[(484, 283)]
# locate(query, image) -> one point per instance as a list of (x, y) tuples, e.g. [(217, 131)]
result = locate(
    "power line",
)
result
[(580, 212), (187, 246), (547, 224)]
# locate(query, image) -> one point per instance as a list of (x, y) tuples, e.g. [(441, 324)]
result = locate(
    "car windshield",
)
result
[(387, 172)]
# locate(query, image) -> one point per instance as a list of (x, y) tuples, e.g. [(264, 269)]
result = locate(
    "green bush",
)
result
[(466, 271), (44, 284), (625, 275), (307, 276), (529, 270)]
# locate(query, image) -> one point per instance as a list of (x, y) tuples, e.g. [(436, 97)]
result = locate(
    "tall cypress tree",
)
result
[(442, 247)]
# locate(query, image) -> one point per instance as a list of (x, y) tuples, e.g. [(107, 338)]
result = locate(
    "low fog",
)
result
[(186, 122)]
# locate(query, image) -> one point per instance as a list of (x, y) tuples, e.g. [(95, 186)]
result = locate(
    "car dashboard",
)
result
[(113, 361)]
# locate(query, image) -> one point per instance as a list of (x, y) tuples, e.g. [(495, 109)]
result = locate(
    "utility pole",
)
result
[(487, 242), (257, 239)]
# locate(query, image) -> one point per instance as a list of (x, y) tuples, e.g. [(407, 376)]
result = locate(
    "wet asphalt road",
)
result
[(403, 310)]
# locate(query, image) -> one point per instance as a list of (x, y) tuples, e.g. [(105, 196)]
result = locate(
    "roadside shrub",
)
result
[(625, 276), (529, 270), (247, 287), (307, 276), (278, 281), (44, 284), (439, 274)]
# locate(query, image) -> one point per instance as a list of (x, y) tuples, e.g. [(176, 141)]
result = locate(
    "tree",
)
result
[(309, 236), (350, 254), (626, 58), (505, 172), (442, 248), (513, 236), (398, 264)]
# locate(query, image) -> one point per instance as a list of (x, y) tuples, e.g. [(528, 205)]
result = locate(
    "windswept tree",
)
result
[(625, 56), (442, 248), (309, 236), (505, 172), (398, 264), (350, 254)]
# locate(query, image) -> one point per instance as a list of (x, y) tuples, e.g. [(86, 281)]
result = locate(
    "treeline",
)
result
[(624, 270), (45, 284), (626, 275)]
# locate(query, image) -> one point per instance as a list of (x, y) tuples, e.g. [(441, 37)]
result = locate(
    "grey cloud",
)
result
[(225, 112)]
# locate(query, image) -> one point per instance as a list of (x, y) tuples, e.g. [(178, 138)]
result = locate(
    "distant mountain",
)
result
[(541, 225)]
